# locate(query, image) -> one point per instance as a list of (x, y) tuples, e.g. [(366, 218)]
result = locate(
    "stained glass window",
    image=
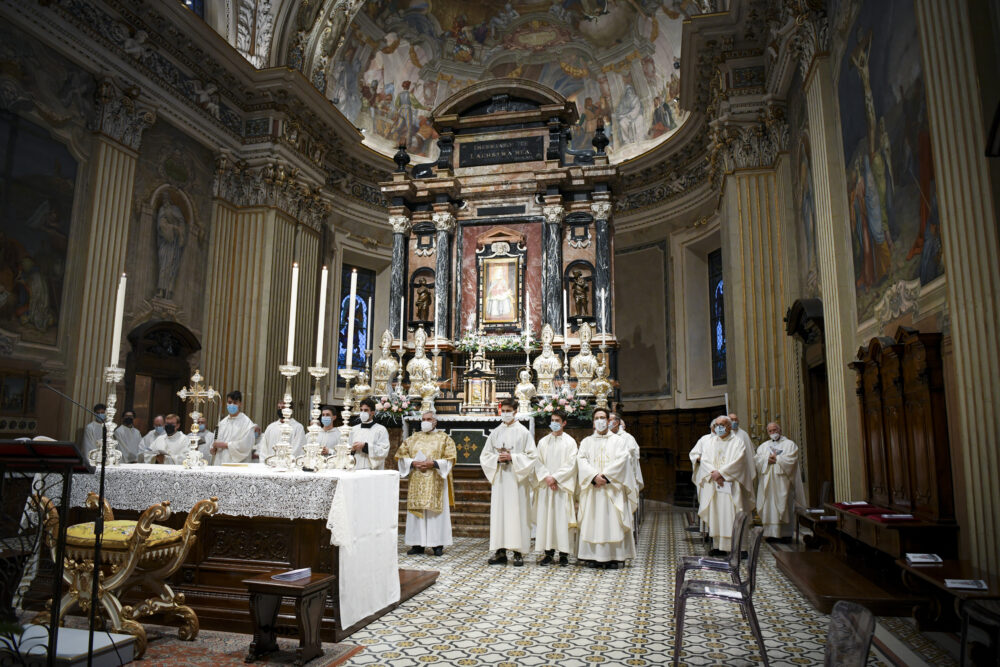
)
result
[(365, 291), (196, 6), (716, 306)]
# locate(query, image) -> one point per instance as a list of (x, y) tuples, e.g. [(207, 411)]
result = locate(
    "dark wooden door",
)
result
[(819, 454)]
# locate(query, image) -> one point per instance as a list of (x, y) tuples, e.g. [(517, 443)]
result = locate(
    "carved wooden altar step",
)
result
[(471, 515)]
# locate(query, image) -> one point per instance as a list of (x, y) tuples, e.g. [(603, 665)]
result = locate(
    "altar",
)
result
[(334, 521)]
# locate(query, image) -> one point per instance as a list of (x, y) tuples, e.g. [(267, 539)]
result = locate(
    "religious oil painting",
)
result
[(892, 205), (499, 290), (619, 62), (37, 181)]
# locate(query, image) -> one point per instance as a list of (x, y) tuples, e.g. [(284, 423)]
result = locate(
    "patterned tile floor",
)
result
[(575, 616)]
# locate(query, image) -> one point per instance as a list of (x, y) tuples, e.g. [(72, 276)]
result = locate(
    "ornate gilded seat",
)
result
[(133, 554)]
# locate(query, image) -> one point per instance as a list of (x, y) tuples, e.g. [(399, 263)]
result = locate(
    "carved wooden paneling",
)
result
[(897, 457), (870, 395)]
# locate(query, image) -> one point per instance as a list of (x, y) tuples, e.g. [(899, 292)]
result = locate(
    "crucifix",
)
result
[(196, 395)]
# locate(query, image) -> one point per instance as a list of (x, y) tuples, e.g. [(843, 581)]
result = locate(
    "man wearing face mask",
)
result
[(272, 436), (128, 437), (205, 439), (329, 436), (750, 496), (369, 441), (634, 484), (723, 476), (234, 441), (508, 461), (555, 487), (780, 486), (171, 447), (93, 433), (429, 455), (605, 515), (145, 456)]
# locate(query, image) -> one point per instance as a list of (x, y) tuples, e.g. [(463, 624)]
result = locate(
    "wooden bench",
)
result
[(945, 608)]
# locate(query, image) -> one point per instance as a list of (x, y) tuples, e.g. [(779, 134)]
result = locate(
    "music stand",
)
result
[(34, 457)]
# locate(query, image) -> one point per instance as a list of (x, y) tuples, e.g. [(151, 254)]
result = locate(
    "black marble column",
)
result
[(552, 267), (602, 258), (444, 222), (397, 280)]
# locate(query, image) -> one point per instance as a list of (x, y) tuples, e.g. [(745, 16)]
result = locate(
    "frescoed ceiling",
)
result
[(618, 60)]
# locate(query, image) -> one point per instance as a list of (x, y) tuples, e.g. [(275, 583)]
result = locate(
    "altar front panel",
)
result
[(468, 431)]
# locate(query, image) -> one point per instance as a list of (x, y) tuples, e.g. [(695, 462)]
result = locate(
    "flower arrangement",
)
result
[(392, 409), (494, 342), (577, 409)]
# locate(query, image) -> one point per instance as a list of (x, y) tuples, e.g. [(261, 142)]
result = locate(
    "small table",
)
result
[(933, 577), (265, 601)]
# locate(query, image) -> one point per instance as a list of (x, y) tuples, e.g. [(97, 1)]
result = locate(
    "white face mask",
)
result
[(720, 430), (776, 437), (736, 427), (555, 427), (426, 426), (507, 417), (365, 416), (600, 424)]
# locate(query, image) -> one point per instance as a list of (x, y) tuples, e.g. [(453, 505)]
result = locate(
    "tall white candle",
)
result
[(350, 318), (527, 318), (368, 329), (321, 327), (291, 312), (400, 326), (604, 310), (116, 337), (437, 332), (565, 317)]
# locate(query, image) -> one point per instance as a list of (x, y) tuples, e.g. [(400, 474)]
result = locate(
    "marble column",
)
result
[(970, 243), (444, 222), (400, 238), (552, 266), (835, 260), (602, 256), (119, 122)]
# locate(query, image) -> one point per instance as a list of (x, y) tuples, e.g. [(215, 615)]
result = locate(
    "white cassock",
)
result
[(695, 455), (750, 493), (205, 440), (272, 436), (173, 447), (555, 514), (719, 505), (129, 442), (510, 498), (633, 451), (376, 437), (93, 437), (426, 525), (605, 515), (147, 441), (238, 432), (779, 487), (329, 439)]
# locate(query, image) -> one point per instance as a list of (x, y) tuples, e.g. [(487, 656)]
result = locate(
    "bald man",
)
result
[(724, 476), (779, 484)]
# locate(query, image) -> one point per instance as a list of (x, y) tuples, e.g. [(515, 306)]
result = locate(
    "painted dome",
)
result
[(617, 60)]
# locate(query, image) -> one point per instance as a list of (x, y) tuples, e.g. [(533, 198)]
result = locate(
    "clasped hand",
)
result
[(551, 481), (504, 456), (357, 447), (718, 478), (423, 465)]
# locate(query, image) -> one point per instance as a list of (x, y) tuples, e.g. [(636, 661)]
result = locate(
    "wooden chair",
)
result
[(741, 594), (133, 553)]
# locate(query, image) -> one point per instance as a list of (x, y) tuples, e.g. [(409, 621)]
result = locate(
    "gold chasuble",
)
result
[(424, 491)]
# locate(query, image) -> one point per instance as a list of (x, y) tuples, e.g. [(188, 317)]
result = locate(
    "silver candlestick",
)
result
[(313, 458), (112, 376), (342, 459), (565, 349), (282, 459)]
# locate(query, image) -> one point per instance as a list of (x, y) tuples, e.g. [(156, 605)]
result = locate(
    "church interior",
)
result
[(762, 224)]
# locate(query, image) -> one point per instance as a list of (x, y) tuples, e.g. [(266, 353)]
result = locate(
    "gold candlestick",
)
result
[(198, 395)]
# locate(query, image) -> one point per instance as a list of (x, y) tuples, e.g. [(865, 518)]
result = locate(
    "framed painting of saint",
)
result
[(500, 290)]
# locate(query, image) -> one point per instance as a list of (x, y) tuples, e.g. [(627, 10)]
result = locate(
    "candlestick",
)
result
[(291, 312), (350, 318), (116, 337), (322, 316), (565, 317)]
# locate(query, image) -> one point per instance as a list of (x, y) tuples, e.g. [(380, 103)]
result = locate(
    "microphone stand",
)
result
[(98, 528)]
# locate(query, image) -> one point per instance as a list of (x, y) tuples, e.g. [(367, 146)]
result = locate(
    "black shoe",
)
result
[(612, 565), (438, 551), (414, 551), (563, 559), (743, 555), (499, 558), (546, 561), (593, 563), (518, 560)]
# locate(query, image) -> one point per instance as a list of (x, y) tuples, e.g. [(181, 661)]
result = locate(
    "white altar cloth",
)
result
[(360, 509)]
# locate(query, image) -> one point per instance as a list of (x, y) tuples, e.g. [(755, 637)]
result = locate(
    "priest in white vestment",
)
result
[(129, 438), (427, 458), (329, 436), (555, 489), (205, 439), (272, 436), (171, 447), (723, 476), (508, 461), (145, 456), (618, 428), (605, 516), (235, 434), (93, 432), (750, 495), (695, 456), (369, 441), (779, 487)]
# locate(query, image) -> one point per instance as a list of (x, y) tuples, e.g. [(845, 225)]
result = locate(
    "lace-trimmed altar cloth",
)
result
[(360, 509)]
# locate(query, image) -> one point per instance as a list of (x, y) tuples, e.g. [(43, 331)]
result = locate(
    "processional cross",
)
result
[(196, 395)]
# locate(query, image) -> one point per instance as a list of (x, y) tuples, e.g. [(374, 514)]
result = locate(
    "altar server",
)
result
[(272, 436), (430, 456), (779, 486), (723, 476), (369, 441), (129, 439), (235, 435), (329, 436), (750, 495), (605, 515), (171, 447), (93, 433), (555, 488), (147, 440), (508, 460), (205, 438), (635, 484)]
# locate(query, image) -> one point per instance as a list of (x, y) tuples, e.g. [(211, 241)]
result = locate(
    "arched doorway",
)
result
[(156, 369)]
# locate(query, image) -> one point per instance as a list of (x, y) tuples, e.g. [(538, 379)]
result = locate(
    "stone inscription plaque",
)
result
[(501, 151)]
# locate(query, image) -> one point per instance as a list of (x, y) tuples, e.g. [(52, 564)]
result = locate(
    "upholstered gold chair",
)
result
[(133, 554)]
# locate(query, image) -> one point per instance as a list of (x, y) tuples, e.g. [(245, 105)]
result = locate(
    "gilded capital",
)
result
[(554, 213), (400, 224), (600, 209), (444, 221), (119, 116)]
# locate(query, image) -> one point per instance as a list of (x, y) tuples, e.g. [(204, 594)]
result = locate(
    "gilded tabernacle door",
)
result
[(500, 264)]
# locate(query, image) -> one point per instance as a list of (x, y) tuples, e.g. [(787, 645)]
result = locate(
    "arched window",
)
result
[(364, 297), (716, 307)]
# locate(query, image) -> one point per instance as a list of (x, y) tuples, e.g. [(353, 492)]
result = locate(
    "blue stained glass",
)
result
[(718, 319), (196, 6), (365, 290)]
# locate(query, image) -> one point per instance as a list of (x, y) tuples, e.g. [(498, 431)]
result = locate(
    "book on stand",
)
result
[(923, 559)]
